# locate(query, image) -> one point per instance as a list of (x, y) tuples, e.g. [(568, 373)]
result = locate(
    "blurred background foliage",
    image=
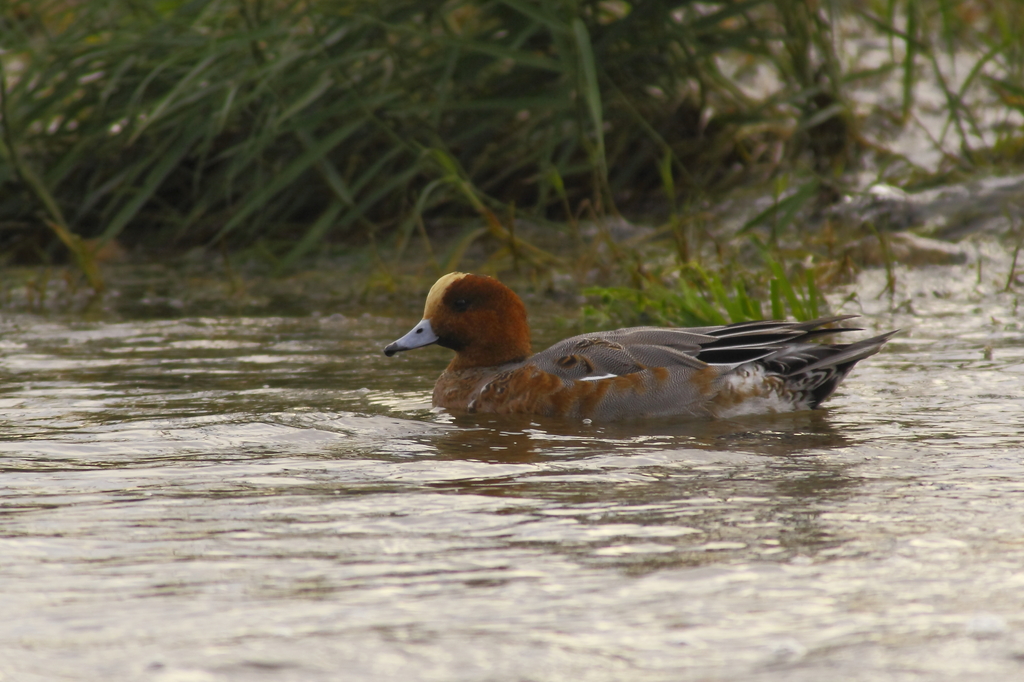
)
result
[(292, 124)]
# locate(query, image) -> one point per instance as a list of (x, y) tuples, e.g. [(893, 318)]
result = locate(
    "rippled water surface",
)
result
[(234, 498)]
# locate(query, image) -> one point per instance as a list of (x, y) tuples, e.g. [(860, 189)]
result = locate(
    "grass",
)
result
[(288, 127), (696, 296)]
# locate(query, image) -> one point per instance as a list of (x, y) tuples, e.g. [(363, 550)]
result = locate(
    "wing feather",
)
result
[(621, 352)]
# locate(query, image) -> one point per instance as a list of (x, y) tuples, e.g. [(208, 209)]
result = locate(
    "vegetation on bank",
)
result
[(424, 130)]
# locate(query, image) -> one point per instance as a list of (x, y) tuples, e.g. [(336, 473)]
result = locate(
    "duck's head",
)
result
[(478, 317)]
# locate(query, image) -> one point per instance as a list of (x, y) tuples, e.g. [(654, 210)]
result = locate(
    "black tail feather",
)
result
[(816, 370)]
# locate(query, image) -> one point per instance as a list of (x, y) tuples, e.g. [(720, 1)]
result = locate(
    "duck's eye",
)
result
[(460, 305)]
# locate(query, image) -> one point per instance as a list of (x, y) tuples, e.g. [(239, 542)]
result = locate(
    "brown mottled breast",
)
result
[(455, 389), (530, 390)]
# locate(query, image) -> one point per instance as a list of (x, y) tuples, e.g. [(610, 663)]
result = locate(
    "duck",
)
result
[(714, 372)]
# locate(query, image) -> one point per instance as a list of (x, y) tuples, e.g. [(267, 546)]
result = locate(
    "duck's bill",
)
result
[(420, 335)]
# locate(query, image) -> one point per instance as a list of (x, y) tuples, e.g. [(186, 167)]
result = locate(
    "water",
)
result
[(260, 498)]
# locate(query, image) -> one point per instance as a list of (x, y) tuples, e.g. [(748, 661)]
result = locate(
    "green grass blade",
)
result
[(785, 287), (537, 14), (588, 85), (813, 297), (313, 236), (288, 176), (780, 214), (775, 293), (154, 178)]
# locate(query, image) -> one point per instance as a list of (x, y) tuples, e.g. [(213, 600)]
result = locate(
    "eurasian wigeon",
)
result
[(724, 371)]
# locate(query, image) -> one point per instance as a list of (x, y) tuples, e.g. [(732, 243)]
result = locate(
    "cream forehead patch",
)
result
[(437, 291)]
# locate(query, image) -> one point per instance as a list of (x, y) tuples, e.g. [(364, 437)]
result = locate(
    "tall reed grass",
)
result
[(294, 123)]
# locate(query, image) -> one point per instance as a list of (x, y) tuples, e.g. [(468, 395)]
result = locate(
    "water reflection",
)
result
[(503, 438)]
